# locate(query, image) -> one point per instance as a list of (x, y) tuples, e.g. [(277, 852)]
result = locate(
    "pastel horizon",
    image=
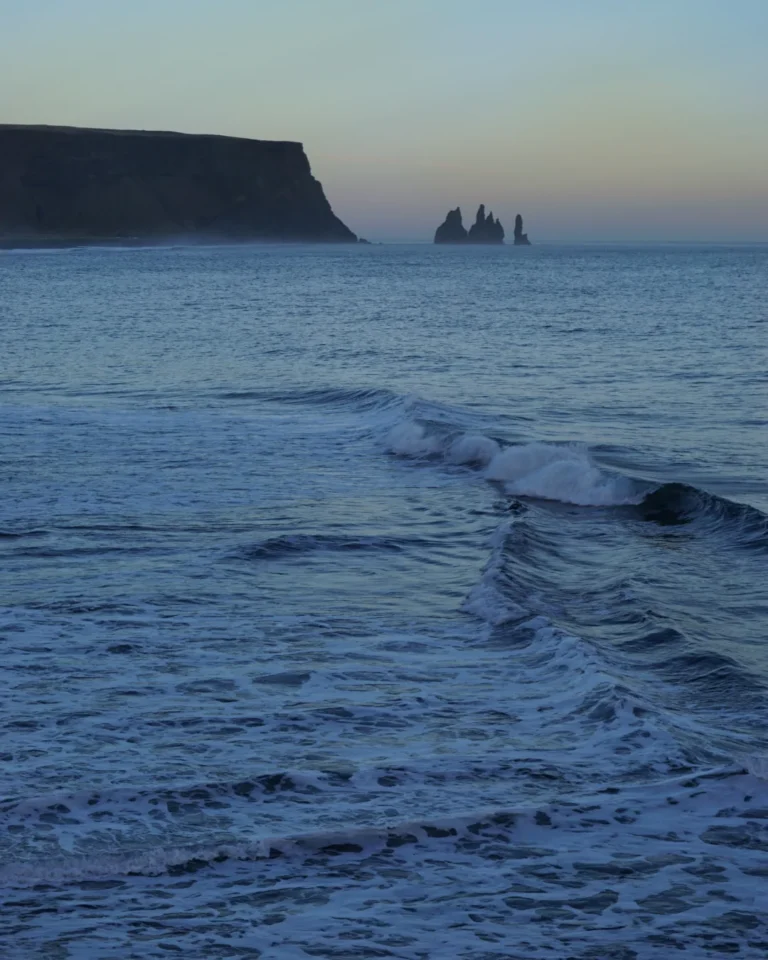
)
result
[(595, 123)]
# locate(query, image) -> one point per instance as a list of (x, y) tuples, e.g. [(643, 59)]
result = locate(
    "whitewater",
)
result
[(384, 602)]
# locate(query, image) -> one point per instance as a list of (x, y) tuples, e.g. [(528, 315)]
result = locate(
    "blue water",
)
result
[(388, 601)]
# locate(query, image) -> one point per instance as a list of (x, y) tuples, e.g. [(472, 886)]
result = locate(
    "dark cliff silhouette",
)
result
[(67, 184), (485, 229), (521, 239)]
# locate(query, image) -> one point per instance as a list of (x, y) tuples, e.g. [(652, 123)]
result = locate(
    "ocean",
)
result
[(384, 601)]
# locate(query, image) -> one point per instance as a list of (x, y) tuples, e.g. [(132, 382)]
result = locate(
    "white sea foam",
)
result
[(473, 448), (486, 600), (564, 473), (547, 471), (758, 766), (410, 439), (156, 717)]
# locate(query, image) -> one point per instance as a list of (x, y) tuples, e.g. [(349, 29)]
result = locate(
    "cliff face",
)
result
[(66, 183)]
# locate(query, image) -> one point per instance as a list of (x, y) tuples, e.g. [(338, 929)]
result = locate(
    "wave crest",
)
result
[(543, 471), (551, 472)]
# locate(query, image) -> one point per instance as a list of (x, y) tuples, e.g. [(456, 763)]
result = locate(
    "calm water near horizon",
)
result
[(384, 601)]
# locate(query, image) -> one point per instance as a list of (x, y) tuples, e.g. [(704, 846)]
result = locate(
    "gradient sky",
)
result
[(596, 119)]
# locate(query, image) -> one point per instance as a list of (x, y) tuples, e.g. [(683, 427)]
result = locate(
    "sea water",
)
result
[(391, 601)]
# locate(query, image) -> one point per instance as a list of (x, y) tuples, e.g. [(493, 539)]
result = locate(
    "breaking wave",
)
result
[(544, 471), (567, 473)]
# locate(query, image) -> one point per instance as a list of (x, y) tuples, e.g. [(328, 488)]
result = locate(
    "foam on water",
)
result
[(487, 599), (722, 787), (297, 665), (633, 872), (473, 449), (565, 473), (410, 439)]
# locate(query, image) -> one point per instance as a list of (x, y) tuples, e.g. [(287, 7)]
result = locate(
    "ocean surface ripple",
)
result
[(384, 602)]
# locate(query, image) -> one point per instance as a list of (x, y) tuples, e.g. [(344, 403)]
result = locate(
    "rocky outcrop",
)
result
[(485, 229), (521, 239), (451, 230), (67, 184)]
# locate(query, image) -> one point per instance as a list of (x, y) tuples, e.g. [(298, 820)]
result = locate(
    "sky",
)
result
[(595, 119)]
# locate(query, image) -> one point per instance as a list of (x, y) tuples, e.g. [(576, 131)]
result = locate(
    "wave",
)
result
[(695, 679), (355, 398), (85, 804), (289, 545), (293, 786), (545, 471), (533, 830), (676, 504), (54, 553), (567, 473), (487, 600), (176, 860), (411, 440), (20, 534)]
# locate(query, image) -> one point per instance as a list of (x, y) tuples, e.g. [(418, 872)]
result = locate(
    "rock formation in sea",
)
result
[(67, 184), (451, 230), (485, 229), (521, 239)]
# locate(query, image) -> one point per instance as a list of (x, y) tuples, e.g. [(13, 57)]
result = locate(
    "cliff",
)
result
[(67, 184)]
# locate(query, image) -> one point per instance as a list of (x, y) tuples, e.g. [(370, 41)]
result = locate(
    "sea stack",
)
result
[(521, 239), (451, 230), (68, 185), (485, 229)]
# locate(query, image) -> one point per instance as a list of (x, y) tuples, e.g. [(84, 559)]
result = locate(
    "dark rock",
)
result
[(493, 230), (477, 230), (485, 229), (62, 185), (521, 239), (451, 230)]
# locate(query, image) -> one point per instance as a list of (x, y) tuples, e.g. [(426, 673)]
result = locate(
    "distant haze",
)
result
[(595, 119)]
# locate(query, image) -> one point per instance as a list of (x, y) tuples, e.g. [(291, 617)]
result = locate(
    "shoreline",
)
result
[(77, 242)]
